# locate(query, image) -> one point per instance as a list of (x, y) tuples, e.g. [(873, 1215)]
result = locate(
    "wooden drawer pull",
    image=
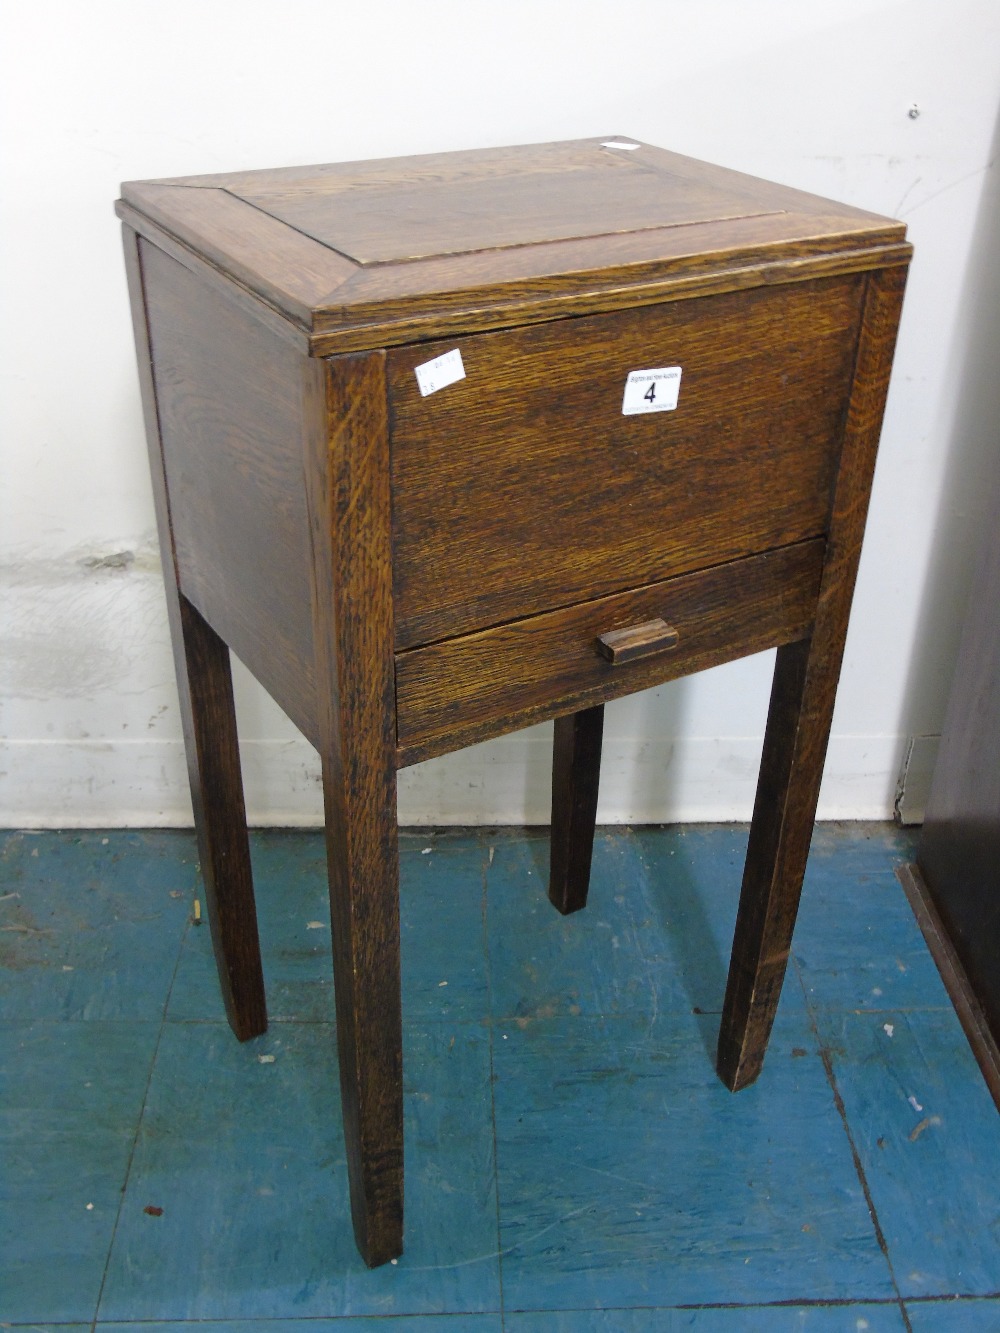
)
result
[(626, 645)]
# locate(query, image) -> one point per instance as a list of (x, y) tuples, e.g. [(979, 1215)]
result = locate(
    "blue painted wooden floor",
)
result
[(573, 1164)]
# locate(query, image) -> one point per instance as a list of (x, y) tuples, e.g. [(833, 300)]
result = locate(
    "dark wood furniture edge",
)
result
[(385, 323), (801, 712), (616, 684), (492, 308), (953, 974), (345, 442), (208, 716), (959, 848), (346, 469), (576, 775), (220, 279), (287, 267), (231, 405), (435, 746), (649, 639)]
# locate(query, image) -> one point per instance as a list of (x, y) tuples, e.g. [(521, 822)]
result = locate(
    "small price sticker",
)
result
[(651, 390), (439, 373)]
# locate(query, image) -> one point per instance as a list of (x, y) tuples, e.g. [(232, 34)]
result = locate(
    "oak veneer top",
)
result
[(363, 254)]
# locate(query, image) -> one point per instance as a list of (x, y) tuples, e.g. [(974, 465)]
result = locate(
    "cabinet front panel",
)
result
[(468, 689), (524, 487)]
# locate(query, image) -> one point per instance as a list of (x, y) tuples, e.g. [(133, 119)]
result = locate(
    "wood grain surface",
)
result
[(465, 690), (625, 645), (347, 493), (962, 990), (407, 575), (406, 216), (452, 242), (523, 487), (208, 719), (229, 396), (576, 776), (284, 268), (798, 726)]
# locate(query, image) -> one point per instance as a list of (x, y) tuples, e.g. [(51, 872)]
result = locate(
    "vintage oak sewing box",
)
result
[(444, 446)]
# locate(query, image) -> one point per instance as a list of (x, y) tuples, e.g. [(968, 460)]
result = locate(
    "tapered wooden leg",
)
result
[(347, 485), (798, 724), (576, 773), (205, 687), (364, 909), (780, 833)]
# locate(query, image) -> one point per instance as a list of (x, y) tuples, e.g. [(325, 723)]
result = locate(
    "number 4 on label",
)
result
[(651, 390)]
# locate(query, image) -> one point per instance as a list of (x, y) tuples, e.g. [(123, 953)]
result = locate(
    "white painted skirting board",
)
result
[(143, 783)]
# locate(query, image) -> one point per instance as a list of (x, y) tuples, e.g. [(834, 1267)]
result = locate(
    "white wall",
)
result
[(815, 95)]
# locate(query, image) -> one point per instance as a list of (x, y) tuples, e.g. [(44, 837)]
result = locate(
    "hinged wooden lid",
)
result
[(366, 254)]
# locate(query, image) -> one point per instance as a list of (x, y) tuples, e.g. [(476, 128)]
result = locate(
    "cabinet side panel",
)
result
[(230, 400)]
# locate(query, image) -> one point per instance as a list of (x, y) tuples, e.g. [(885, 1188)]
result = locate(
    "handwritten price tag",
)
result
[(440, 372)]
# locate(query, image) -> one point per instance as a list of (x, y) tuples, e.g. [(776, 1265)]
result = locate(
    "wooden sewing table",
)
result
[(657, 458)]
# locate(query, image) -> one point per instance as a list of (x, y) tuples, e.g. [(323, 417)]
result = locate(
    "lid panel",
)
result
[(385, 219), (354, 255)]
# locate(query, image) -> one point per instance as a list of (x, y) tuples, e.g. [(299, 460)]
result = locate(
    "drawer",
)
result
[(465, 690), (523, 487)]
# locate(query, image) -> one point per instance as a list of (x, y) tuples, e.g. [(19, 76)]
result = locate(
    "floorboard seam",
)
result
[(953, 1298), (792, 1303), (138, 1125), (487, 861), (838, 1101)]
